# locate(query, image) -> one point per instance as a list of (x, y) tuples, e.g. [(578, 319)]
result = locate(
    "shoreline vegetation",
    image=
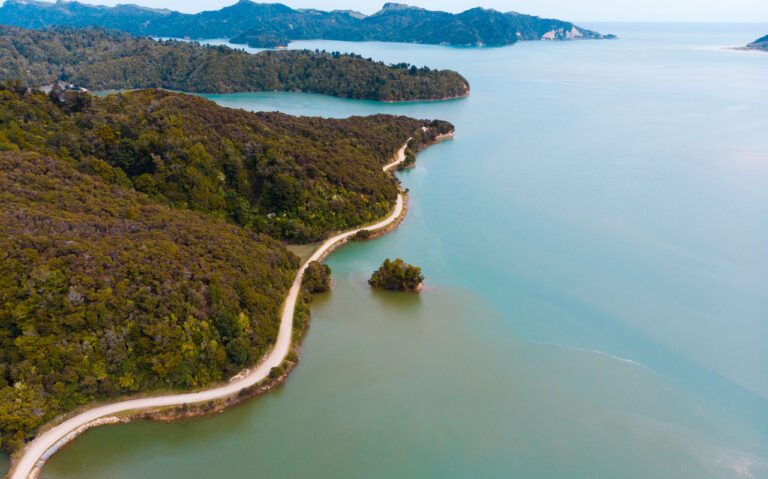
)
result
[(269, 372), (98, 59), (80, 259), (270, 25), (86, 314), (293, 178), (397, 275)]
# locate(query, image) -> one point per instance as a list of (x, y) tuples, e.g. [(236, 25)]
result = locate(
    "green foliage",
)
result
[(294, 178), (301, 314), (397, 275), (361, 235), (317, 277), (99, 59), (272, 24), (110, 285), (276, 372), (104, 292)]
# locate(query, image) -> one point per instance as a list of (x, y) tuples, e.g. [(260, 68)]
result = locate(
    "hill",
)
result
[(269, 25), (99, 59), (105, 293), (759, 44), (139, 236), (295, 178)]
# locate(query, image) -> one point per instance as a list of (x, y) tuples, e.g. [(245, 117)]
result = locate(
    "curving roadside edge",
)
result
[(37, 451)]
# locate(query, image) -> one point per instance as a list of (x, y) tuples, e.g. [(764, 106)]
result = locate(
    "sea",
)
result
[(595, 246)]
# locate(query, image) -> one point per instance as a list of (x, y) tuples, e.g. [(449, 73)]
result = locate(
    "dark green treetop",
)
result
[(99, 59), (397, 275), (317, 277)]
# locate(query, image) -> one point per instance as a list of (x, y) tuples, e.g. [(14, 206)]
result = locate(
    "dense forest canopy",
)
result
[(110, 283), (104, 292), (140, 232), (317, 277), (294, 178), (99, 59), (274, 24)]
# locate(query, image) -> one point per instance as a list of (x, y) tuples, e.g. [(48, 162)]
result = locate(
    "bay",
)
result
[(597, 298)]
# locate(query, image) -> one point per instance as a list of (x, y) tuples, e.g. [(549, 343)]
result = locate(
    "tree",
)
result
[(99, 59), (317, 277), (397, 275)]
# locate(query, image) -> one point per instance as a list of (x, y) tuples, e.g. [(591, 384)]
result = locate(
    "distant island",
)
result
[(759, 44), (397, 275), (99, 59), (274, 24)]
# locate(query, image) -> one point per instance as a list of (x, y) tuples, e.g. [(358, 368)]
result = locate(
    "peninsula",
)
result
[(759, 44), (274, 24), (293, 178), (99, 59), (140, 256), (35, 453)]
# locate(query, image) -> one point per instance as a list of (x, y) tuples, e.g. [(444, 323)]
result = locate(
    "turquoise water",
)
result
[(594, 242)]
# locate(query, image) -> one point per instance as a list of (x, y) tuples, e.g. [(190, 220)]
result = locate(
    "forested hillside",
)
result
[(274, 24), (141, 233), (99, 59), (294, 178), (110, 285), (105, 293)]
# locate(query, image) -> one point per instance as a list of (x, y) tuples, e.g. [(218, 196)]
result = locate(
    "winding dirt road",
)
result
[(399, 156), (46, 444)]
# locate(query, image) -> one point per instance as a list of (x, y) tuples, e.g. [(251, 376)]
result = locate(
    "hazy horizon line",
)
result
[(454, 11)]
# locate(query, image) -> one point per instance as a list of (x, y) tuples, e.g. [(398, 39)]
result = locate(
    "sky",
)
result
[(755, 11)]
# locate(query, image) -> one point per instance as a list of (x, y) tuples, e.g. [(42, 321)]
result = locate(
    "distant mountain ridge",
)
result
[(275, 24), (759, 44)]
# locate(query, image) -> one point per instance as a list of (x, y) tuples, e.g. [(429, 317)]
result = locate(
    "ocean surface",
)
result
[(595, 246)]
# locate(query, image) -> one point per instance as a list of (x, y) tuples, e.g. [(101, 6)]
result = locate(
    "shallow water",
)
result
[(597, 302)]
